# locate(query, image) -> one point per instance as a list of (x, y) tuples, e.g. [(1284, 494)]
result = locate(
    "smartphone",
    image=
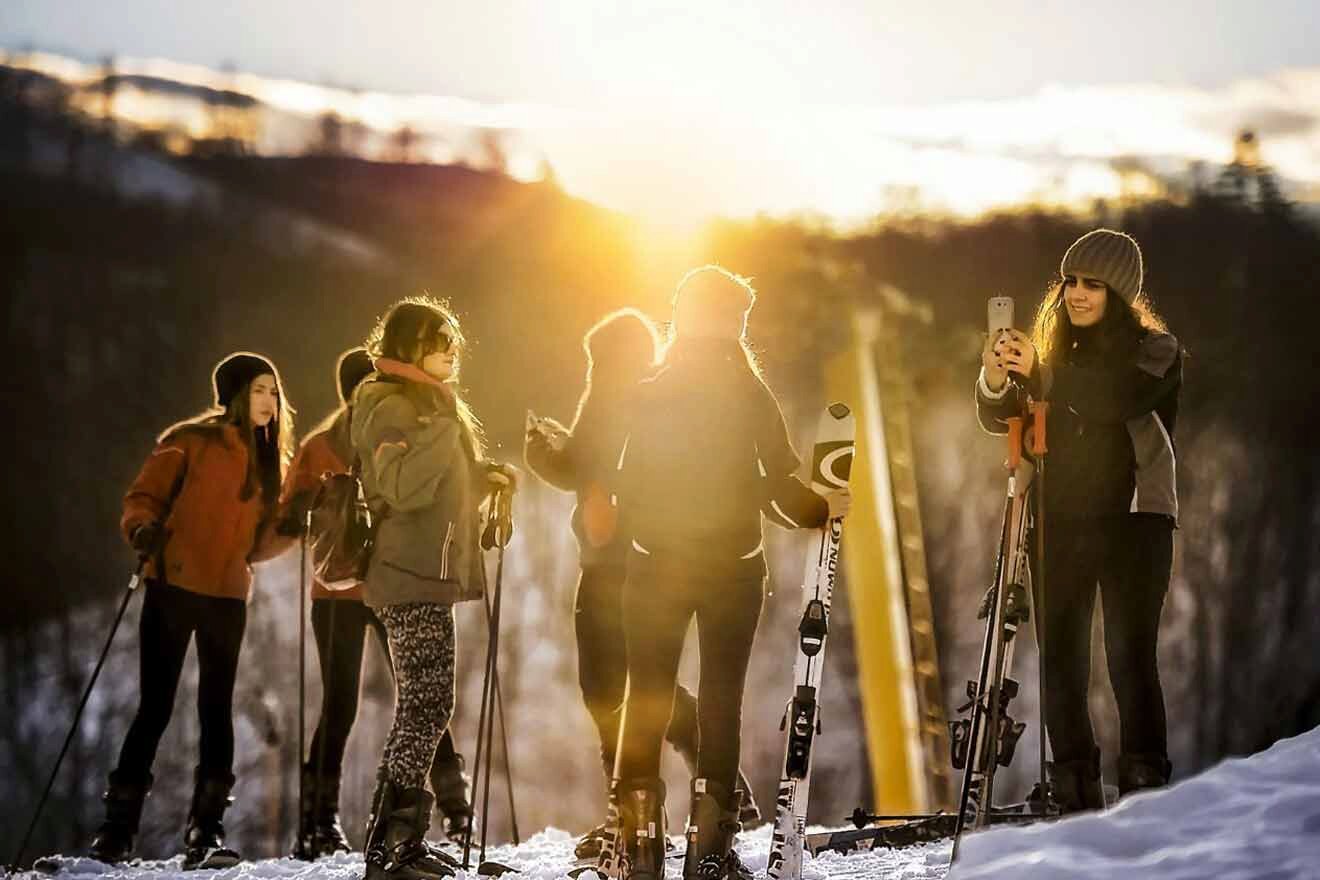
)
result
[(999, 314)]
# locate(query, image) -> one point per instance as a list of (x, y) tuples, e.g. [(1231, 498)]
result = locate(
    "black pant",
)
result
[(171, 616), (603, 664), (659, 602), (1130, 556), (340, 627)]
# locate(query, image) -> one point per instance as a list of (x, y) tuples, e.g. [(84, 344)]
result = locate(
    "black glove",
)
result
[(290, 524), (149, 539)]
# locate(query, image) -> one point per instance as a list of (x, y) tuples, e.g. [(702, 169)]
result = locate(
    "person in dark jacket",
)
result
[(707, 450), (340, 620), (425, 476), (621, 350), (1112, 373), (194, 515)]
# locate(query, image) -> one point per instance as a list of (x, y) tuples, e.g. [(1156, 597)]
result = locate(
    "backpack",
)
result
[(342, 530)]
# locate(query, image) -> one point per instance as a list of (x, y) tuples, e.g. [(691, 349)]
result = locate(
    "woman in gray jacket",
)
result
[(425, 479)]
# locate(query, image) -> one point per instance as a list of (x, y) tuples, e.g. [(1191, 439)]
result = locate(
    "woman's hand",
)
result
[(840, 502), (502, 477), (1017, 352), (554, 434), (995, 372)]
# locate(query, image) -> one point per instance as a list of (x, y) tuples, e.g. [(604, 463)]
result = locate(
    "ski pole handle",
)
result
[(1014, 441), (1039, 415)]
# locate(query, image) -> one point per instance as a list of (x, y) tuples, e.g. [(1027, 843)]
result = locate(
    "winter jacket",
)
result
[(329, 451), (424, 484), (706, 453), (191, 484), (587, 466), (1110, 426)]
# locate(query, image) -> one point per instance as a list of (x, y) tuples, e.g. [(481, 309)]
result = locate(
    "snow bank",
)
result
[(1256, 817)]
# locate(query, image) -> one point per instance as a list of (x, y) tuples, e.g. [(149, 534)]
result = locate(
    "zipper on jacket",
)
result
[(444, 554)]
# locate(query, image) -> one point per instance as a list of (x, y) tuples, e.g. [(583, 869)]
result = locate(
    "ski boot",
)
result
[(642, 814), (320, 832), (749, 814), (204, 837), (396, 847), (712, 826), (453, 796), (1139, 771), (123, 811), (1075, 785)]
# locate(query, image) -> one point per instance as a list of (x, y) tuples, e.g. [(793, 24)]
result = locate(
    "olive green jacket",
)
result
[(424, 483)]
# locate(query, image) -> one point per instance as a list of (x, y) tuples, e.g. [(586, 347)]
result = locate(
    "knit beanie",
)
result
[(236, 371), (353, 366), (1113, 257)]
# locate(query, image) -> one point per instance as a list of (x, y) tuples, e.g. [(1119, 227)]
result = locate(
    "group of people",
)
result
[(677, 454)]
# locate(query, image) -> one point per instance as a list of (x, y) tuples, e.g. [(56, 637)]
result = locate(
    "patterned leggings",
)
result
[(422, 644)]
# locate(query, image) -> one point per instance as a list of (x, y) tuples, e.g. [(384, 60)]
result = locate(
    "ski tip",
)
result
[(495, 869), (839, 410)]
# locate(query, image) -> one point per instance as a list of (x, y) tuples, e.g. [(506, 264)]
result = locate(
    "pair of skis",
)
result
[(831, 460)]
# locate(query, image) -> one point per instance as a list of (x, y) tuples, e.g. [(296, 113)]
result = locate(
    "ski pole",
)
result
[(302, 675), (508, 765), (133, 584), (1039, 449), (496, 534)]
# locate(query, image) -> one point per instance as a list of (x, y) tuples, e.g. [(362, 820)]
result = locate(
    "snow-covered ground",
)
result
[(1256, 817)]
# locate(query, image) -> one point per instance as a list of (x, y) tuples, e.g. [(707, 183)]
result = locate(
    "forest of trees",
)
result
[(119, 305)]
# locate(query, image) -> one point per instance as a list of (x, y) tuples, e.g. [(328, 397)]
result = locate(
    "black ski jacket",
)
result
[(706, 453), (1111, 424)]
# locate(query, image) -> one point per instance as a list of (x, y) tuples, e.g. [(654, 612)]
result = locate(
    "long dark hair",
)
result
[(625, 345), (1123, 324), (270, 447), (404, 334)]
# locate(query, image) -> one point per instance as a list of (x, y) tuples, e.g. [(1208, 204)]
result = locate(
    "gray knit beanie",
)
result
[(1113, 257)]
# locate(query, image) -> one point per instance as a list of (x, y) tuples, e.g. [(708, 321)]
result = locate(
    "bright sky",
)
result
[(677, 110), (575, 53)]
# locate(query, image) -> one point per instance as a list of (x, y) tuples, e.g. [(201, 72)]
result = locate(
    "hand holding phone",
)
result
[(999, 320), (999, 314)]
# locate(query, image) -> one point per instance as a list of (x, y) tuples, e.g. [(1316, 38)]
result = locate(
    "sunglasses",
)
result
[(442, 341)]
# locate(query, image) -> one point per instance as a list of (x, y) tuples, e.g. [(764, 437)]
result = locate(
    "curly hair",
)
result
[(407, 332)]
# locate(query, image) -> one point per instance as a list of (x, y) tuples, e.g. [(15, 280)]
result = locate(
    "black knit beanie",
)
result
[(236, 371), (353, 366), (1113, 257)]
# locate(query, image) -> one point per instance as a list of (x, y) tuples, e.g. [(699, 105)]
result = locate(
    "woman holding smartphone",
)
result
[(1112, 372)]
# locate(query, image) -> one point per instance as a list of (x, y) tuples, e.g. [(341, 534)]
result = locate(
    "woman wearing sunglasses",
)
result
[(425, 478)]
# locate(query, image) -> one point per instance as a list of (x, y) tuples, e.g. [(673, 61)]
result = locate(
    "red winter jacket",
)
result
[(191, 484), (321, 453)]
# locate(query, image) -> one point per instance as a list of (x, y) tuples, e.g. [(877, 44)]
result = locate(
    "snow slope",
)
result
[(1256, 817)]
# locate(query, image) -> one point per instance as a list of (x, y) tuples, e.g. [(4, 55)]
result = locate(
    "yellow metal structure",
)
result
[(885, 568)]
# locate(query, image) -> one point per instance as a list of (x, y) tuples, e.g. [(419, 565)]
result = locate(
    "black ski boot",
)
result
[(123, 811), (642, 814), (750, 813), (453, 796), (1075, 785), (320, 832), (204, 838), (396, 847), (1139, 771), (712, 826)]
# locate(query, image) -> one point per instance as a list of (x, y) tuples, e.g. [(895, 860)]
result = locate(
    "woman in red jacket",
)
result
[(340, 620), (194, 514)]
